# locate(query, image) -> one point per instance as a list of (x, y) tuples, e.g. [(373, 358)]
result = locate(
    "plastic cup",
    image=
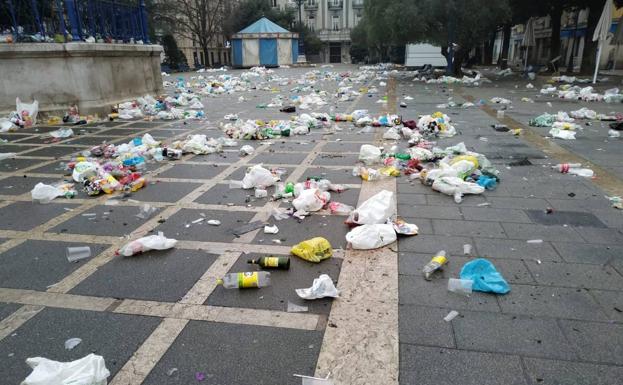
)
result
[(460, 286), (78, 253), (500, 114), (467, 249)]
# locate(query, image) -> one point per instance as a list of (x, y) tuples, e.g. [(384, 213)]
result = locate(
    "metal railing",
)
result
[(74, 20)]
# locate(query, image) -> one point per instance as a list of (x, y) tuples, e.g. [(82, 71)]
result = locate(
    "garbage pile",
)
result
[(25, 115), (569, 92), (165, 108), (465, 80), (109, 168), (261, 130)]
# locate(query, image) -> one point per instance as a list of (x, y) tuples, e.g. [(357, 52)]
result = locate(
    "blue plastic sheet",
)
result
[(486, 278)]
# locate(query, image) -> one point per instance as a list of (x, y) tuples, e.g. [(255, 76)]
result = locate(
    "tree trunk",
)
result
[(505, 46), (206, 59), (555, 15), (446, 53), (460, 57), (590, 46), (489, 49)]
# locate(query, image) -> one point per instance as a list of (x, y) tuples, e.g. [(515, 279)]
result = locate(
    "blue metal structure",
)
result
[(74, 20)]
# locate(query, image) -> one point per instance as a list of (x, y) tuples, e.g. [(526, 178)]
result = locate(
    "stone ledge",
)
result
[(31, 50)]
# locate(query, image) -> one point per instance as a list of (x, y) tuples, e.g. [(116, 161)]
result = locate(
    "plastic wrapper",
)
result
[(311, 200), (321, 287), (257, 176), (369, 154), (368, 237), (376, 210), (152, 242), (89, 370), (313, 250), (562, 134), (45, 193), (456, 187)]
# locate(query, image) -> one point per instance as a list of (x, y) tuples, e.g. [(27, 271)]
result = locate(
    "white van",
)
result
[(418, 55)]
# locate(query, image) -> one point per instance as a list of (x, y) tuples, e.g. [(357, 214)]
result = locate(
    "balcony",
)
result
[(335, 36), (335, 4), (311, 6), (357, 4)]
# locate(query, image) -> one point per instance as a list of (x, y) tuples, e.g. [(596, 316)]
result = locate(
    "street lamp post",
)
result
[(301, 57)]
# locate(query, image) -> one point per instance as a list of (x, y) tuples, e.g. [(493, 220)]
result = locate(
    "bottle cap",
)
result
[(219, 281)]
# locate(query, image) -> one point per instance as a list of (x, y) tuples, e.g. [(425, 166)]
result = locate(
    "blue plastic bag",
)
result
[(486, 278)]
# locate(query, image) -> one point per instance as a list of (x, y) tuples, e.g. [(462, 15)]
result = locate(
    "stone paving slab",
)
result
[(227, 352), (176, 225), (164, 276), (11, 165), (221, 194), (192, 171), (46, 333), (511, 334), (7, 309), (597, 342), (551, 372), (36, 265), (159, 191), (421, 365), (108, 220), (425, 326), (23, 216)]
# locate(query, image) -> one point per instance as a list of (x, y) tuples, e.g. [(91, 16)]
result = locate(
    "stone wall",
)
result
[(92, 75)]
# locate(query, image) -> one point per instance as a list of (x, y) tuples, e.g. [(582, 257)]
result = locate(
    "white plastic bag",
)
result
[(45, 193), (152, 242), (311, 200), (375, 210), (391, 134), (89, 370), (62, 133), (7, 155), (246, 150), (369, 154), (83, 170), (456, 187), (257, 176), (368, 237), (562, 134), (31, 108), (321, 287)]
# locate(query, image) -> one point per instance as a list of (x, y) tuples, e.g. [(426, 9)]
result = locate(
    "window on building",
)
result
[(203, 59), (311, 22), (356, 18), (336, 23), (273, 3)]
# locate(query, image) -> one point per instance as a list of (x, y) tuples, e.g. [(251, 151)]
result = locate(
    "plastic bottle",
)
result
[(565, 167), (271, 261), (438, 261), (289, 189), (246, 280)]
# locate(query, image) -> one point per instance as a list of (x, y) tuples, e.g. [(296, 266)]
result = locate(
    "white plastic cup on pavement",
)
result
[(78, 253)]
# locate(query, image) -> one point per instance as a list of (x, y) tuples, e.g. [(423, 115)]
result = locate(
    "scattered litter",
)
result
[(89, 370), (172, 371), (534, 241), (72, 343), (467, 249), (321, 287), (436, 263), (238, 231), (294, 308), (271, 229), (77, 253), (214, 222), (366, 237), (375, 210), (452, 315), (246, 150), (44, 193), (151, 242), (403, 228), (484, 276), (313, 250), (146, 211)]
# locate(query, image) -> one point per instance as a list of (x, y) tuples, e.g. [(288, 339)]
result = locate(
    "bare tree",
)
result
[(197, 20)]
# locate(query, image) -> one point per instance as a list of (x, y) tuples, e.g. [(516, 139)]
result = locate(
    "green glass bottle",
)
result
[(271, 262)]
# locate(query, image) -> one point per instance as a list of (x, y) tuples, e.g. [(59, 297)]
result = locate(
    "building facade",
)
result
[(572, 38), (332, 21)]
